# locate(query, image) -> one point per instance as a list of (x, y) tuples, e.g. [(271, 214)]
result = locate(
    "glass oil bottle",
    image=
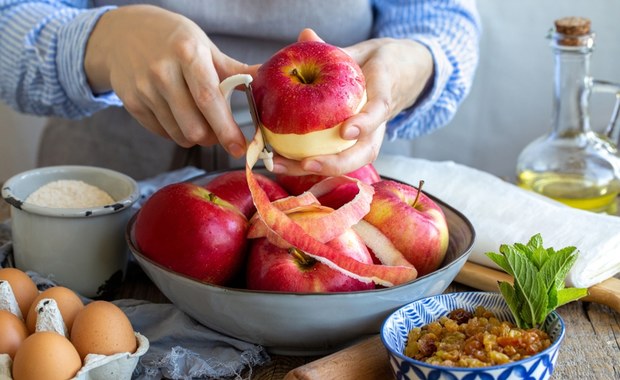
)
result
[(573, 163)]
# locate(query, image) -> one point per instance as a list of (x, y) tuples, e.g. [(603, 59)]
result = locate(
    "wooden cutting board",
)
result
[(368, 359)]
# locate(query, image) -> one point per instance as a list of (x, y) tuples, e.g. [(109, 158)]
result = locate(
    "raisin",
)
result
[(460, 315)]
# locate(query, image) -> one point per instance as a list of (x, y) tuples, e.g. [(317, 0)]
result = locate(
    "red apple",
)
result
[(274, 268), (188, 229), (344, 193), (279, 227), (296, 185), (367, 174), (303, 93), (232, 186), (413, 222)]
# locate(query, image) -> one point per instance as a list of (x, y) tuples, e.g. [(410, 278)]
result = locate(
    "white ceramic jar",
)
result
[(83, 249)]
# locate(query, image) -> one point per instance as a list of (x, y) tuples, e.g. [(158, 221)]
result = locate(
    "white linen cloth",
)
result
[(503, 213)]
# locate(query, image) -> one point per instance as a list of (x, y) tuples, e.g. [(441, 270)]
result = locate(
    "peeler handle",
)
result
[(228, 85)]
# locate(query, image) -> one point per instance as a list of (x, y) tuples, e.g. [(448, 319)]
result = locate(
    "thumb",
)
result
[(309, 35), (227, 66)]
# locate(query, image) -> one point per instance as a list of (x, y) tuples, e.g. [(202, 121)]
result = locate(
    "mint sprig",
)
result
[(539, 279)]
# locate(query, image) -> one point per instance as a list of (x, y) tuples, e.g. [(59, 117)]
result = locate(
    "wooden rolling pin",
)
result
[(365, 360), (369, 360)]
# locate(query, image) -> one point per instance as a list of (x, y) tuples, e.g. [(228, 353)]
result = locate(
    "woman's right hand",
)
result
[(167, 72)]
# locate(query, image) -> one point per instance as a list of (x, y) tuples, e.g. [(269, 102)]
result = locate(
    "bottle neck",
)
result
[(572, 87)]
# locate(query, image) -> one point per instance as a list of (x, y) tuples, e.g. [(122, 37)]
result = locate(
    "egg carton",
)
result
[(96, 367)]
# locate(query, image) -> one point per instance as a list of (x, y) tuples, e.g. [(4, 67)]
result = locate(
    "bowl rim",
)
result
[(133, 247), (118, 205), (554, 345)]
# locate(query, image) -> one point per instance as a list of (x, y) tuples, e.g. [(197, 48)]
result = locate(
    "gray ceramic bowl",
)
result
[(303, 324), (81, 248), (424, 311)]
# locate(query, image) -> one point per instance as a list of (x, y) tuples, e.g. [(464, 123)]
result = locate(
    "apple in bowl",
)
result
[(413, 222), (297, 184), (232, 186), (289, 269), (303, 93), (190, 230)]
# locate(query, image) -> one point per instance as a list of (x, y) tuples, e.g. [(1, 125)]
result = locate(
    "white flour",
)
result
[(69, 194)]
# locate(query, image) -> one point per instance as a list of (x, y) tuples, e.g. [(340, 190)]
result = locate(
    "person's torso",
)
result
[(252, 30), (247, 30)]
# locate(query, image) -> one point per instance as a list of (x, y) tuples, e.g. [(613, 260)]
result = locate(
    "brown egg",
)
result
[(46, 355), (69, 304), (13, 332), (24, 289), (102, 328)]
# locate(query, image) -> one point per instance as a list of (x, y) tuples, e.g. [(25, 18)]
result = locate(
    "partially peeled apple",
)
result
[(303, 94), (275, 268)]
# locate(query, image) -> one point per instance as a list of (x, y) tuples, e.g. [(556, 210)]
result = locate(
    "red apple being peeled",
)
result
[(188, 229), (412, 221), (273, 268), (303, 93), (232, 186)]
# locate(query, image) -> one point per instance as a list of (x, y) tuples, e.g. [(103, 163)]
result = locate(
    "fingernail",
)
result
[(351, 133), (236, 150), (279, 168), (313, 166)]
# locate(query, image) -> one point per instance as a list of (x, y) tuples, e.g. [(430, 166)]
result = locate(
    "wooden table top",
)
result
[(591, 348)]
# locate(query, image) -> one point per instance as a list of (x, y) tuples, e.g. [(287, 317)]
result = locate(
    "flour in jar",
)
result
[(69, 194)]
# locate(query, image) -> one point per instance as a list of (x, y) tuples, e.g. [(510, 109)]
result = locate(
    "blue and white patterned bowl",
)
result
[(424, 311)]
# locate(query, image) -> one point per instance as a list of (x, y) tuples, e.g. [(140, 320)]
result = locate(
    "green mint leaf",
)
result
[(512, 300), (529, 285), (535, 304), (534, 250), (500, 261), (555, 270), (535, 241), (570, 294), (552, 299)]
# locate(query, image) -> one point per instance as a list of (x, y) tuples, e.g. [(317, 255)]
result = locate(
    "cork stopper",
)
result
[(571, 29)]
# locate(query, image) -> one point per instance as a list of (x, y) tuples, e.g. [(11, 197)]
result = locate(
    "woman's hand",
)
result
[(397, 72), (167, 73)]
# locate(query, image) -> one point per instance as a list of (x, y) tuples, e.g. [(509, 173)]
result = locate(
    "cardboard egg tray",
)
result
[(95, 367)]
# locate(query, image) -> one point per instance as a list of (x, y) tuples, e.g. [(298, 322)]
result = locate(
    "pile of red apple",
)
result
[(214, 234), (304, 233)]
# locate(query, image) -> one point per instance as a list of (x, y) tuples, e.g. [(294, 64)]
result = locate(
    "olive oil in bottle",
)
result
[(572, 163), (572, 190)]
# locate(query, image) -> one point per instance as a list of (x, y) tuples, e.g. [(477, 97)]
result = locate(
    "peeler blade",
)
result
[(254, 114)]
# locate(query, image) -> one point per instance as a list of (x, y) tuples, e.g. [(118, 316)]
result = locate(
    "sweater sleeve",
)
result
[(450, 29), (42, 58)]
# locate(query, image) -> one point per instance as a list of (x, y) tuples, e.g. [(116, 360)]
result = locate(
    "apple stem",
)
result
[(301, 78), (301, 257), (417, 196)]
